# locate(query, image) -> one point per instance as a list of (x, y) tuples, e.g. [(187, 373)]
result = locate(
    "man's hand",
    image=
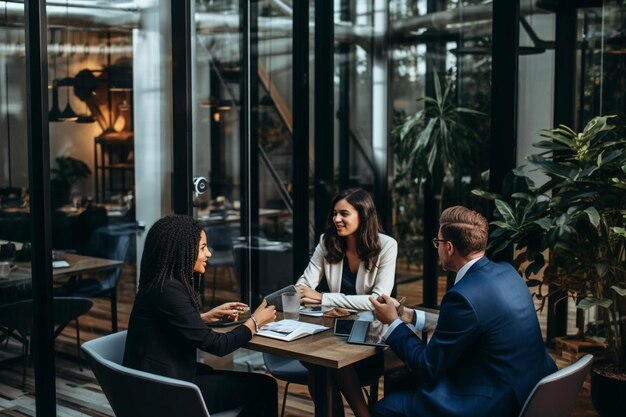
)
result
[(308, 295), (384, 309), (230, 311)]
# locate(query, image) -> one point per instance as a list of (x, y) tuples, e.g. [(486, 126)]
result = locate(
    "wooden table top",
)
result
[(79, 264), (323, 349)]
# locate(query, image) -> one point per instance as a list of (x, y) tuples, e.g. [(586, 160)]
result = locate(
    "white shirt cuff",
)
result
[(420, 320), (391, 328)]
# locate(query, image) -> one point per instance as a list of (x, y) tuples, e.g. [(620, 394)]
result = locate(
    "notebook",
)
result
[(289, 330), (368, 333)]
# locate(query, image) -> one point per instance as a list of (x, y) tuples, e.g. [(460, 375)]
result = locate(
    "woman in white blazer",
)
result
[(357, 261)]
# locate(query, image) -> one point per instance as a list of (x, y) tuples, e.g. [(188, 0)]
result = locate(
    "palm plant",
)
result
[(429, 145), (577, 218)]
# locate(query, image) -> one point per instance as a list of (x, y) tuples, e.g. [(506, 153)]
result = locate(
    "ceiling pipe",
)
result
[(82, 16)]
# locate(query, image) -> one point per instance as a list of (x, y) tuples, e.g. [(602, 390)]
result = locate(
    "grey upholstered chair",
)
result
[(555, 395), (134, 393), (16, 321)]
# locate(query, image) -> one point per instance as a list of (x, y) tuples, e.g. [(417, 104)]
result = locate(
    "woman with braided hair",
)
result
[(166, 325)]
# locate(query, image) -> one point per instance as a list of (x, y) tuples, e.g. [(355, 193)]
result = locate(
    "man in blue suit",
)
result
[(487, 352)]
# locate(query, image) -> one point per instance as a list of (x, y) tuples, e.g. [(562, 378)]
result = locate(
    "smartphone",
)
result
[(343, 327)]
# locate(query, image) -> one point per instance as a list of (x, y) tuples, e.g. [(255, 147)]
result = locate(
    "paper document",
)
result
[(289, 330)]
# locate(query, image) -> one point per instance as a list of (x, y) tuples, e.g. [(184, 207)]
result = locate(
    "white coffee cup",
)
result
[(5, 269)]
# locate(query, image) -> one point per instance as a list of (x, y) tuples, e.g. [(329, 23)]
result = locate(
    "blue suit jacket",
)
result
[(487, 352)]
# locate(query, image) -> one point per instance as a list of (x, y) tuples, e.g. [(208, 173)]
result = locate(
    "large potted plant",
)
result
[(65, 175), (433, 144), (574, 225)]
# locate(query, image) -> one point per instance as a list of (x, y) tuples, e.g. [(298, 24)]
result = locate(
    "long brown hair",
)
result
[(170, 251), (367, 242)]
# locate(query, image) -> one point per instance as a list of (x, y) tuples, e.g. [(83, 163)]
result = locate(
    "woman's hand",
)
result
[(262, 315), (230, 311), (308, 295), (265, 314)]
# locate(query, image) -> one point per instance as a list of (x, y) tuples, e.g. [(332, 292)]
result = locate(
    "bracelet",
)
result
[(256, 324)]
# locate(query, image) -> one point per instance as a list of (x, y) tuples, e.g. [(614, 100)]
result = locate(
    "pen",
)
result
[(401, 306)]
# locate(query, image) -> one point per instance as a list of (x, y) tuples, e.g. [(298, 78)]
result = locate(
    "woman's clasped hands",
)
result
[(227, 311)]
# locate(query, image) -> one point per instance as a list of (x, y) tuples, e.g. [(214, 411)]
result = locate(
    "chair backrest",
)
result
[(67, 309), (286, 369), (275, 267), (108, 244), (135, 393), (19, 315), (220, 237), (555, 395)]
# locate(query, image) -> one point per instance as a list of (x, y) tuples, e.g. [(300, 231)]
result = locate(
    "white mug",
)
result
[(5, 269)]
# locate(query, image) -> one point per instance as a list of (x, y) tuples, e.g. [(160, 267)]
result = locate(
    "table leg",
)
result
[(324, 387)]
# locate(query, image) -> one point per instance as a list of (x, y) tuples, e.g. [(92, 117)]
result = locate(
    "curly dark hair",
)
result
[(368, 244), (170, 251)]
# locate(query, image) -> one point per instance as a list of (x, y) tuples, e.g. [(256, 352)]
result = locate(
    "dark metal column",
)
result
[(248, 137), (564, 113), (504, 75), (345, 57), (216, 174), (435, 51), (181, 106), (324, 111), (39, 186), (300, 156)]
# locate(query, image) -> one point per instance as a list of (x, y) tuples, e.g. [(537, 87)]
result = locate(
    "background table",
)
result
[(79, 264)]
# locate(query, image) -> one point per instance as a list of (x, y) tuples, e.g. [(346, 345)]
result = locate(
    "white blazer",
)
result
[(377, 281)]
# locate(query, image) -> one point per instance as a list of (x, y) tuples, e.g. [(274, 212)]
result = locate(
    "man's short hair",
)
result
[(468, 230)]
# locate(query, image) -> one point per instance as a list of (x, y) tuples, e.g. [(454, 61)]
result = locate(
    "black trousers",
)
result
[(224, 390)]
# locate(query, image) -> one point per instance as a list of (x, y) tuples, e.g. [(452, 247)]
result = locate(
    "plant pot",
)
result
[(608, 390)]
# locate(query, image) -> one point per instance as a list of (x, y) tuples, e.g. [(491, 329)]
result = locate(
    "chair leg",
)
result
[(114, 309), (282, 413), (78, 357)]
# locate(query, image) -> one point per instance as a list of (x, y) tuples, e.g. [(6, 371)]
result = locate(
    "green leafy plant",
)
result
[(433, 143), (573, 224), (67, 172), (70, 170)]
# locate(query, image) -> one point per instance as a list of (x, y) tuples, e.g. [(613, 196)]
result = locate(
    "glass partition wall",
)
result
[(269, 145)]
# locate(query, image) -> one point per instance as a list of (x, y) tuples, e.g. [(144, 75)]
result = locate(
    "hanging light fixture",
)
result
[(84, 88), (54, 115), (68, 113)]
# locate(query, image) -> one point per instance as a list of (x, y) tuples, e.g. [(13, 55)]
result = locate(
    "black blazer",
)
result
[(165, 329)]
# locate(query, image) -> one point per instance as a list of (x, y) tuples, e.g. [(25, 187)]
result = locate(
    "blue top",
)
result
[(348, 279)]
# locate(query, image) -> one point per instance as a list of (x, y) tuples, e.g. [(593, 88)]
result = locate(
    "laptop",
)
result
[(368, 333)]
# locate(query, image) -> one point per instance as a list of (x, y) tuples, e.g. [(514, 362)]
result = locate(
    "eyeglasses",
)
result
[(437, 241)]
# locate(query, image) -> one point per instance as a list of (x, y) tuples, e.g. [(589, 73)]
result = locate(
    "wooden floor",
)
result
[(78, 393)]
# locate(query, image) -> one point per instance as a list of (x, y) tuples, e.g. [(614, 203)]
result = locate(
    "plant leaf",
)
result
[(594, 216), (506, 212), (588, 302)]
